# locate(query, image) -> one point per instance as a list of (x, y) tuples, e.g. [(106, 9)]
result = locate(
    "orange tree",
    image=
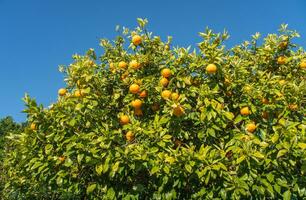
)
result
[(147, 121)]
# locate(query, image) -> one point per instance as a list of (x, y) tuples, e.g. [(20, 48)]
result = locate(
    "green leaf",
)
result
[(154, 169), (287, 195), (188, 168), (229, 115), (80, 158), (99, 169), (240, 159), (302, 145), (91, 188), (281, 153), (275, 137), (48, 148), (257, 154)]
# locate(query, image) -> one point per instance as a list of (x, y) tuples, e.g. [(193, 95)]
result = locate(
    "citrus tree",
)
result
[(149, 121)]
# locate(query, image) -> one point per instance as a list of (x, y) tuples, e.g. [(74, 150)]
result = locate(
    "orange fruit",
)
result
[(175, 96), (164, 82), (283, 45), (78, 93), (167, 47), (143, 94), (124, 119), (33, 127), (265, 101), (303, 64), (62, 158), (62, 92), (137, 103), (251, 127), (136, 40), (166, 73), (178, 111), (138, 112), (281, 60), (166, 94), (245, 111), (293, 107), (134, 64), (211, 69), (122, 64), (265, 115), (129, 136), (134, 88), (155, 107)]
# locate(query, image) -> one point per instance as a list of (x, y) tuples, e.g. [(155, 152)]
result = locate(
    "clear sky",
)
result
[(36, 36)]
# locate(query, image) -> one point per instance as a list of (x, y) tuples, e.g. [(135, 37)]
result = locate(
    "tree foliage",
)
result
[(149, 121)]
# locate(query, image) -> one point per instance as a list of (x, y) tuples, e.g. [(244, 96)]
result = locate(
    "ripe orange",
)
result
[(134, 88), (143, 94), (166, 94), (283, 45), (211, 69), (265, 115), (245, 111), (281, 60), (62, 158), (164, 82), (137, 103), (138, 112), (155, 107), (293, 107), (303, 64), (122, 64), (178, 111), (265, 101), (251, 127), (175, 96), (78, 93), (167, 47), (124, 119), (136, 40), (166, 73), (129, 136), (33, 127), (62, 92), (134, 64)]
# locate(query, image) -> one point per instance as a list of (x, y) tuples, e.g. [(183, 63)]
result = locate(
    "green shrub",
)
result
[(230, 125)]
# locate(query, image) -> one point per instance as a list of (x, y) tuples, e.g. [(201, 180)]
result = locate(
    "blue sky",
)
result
[(36, 36)]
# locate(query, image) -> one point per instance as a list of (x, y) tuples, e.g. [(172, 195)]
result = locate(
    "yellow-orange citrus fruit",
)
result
[(136, 40), (166, 73), (122, 64), (245, 111), (78, 93), (265, 115), (138, 112), (211, 68), (33, 127), (281, 60), (283, 45), (166, 94), (293, 107), (164, 82), (251, 127), (129, 136), (137, 103), (303, 64), (175, 96), (134, 64), (155, 107), (62, 158), (265, 101), (178, 111), (62, 92), (134, 88), (124, 119), (143, 94)]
